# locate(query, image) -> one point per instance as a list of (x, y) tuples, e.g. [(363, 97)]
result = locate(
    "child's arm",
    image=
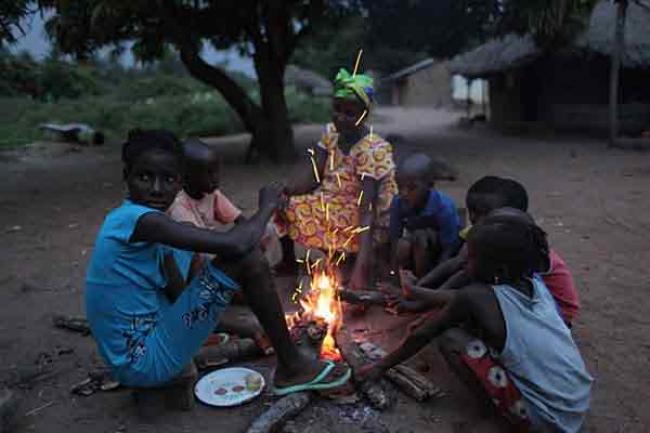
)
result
[(440, 273), (423, 299), (305, 180), (456, 312), (158, 227), (175, 282), (369, 193), (447, 252), (444, 270), (457, 281), (395, 230)]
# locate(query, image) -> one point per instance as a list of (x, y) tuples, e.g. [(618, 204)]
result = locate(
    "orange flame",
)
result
[(322, 303)]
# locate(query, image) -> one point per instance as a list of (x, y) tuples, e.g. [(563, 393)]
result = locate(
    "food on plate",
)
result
[(253, 382)]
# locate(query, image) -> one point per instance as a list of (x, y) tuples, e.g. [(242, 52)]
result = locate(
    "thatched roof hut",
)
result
[(514, 51)]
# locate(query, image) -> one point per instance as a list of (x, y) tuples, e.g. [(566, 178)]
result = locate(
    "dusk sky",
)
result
[(36, 43)]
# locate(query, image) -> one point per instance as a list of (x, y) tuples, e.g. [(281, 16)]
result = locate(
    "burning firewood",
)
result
[(281, 411), (408, 380), (375, 392)]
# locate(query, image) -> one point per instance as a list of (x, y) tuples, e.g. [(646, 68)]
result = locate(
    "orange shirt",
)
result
[(210, 212)]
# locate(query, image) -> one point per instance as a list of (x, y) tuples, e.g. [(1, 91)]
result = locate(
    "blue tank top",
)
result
[(124, 282), (542, 358)]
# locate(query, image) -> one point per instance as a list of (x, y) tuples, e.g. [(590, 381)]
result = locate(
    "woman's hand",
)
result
[(272, 196)]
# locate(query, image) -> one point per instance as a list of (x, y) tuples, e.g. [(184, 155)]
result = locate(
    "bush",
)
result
[(200, 113)]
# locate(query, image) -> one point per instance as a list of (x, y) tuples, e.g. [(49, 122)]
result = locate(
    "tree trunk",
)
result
[(236, 97), (272, 136), (275, 138), (618, 48)]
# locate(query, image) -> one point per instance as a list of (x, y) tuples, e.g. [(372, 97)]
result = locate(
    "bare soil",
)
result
[(593, 201)]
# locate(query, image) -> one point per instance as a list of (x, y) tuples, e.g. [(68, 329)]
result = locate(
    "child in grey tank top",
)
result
[(525, 361)]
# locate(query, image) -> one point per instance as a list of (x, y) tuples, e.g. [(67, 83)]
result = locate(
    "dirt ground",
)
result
[(594, 202)]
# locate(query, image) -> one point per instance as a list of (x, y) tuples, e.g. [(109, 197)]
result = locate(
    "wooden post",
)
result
[(484, 84), (469, 99), (618, 48)]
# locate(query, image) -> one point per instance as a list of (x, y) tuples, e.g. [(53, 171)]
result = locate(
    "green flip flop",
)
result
[(316, 384)]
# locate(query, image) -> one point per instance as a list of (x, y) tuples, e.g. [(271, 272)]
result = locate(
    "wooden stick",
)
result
[(408, 380), (281, 411), (77, 324), (38, 409), (373, 391)]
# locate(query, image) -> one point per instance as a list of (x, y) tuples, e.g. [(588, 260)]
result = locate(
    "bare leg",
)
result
[(254, 275), (403, 254), (288, 265), (424, 247)]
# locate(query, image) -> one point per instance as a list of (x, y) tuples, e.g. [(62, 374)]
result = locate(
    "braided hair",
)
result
[(509, 246), (142, 140)]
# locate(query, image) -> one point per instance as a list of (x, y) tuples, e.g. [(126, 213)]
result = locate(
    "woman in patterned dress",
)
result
[(340, 200)]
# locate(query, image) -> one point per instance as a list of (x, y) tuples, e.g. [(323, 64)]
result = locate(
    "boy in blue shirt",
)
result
[(424, 223)]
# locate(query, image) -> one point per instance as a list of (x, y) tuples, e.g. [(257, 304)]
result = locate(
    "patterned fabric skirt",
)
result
[(323, 224), (496, 383)]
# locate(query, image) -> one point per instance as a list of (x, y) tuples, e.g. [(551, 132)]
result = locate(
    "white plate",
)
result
[(210, 388)]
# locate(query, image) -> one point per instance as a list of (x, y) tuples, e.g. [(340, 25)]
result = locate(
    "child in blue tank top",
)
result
[(150, 310)]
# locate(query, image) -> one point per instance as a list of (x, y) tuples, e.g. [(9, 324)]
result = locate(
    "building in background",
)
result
[(424, 84), (567, 89)]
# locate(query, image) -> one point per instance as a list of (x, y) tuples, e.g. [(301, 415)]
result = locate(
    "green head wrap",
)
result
[(351, 87)]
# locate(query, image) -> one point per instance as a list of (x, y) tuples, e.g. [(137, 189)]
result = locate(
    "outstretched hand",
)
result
[(405, 306)]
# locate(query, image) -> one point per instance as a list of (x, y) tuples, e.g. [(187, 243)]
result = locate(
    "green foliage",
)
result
[(552, 23), (333, 45), (443, 28), (11, 13), (137, 99), (307, 109)]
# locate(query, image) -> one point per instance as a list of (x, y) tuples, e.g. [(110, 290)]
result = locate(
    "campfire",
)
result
[(320, 311)]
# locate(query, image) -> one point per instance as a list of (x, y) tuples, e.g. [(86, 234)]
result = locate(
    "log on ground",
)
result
[(281, 411)]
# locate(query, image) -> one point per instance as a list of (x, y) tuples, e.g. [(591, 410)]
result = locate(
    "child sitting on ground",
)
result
[(503, 336), (202, 203), (424, 223), (485, 196), (147, 315)]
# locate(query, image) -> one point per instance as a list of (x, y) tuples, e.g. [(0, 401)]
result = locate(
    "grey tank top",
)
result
[(542, 358)]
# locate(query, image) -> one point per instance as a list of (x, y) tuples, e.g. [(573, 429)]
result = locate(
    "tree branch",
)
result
[(248, 111), (238, 99), (642, 5)]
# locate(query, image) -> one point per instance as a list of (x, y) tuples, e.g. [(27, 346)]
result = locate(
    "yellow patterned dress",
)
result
[(326, 218)]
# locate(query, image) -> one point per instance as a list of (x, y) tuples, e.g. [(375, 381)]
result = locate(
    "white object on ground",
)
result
[(229, 387)]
